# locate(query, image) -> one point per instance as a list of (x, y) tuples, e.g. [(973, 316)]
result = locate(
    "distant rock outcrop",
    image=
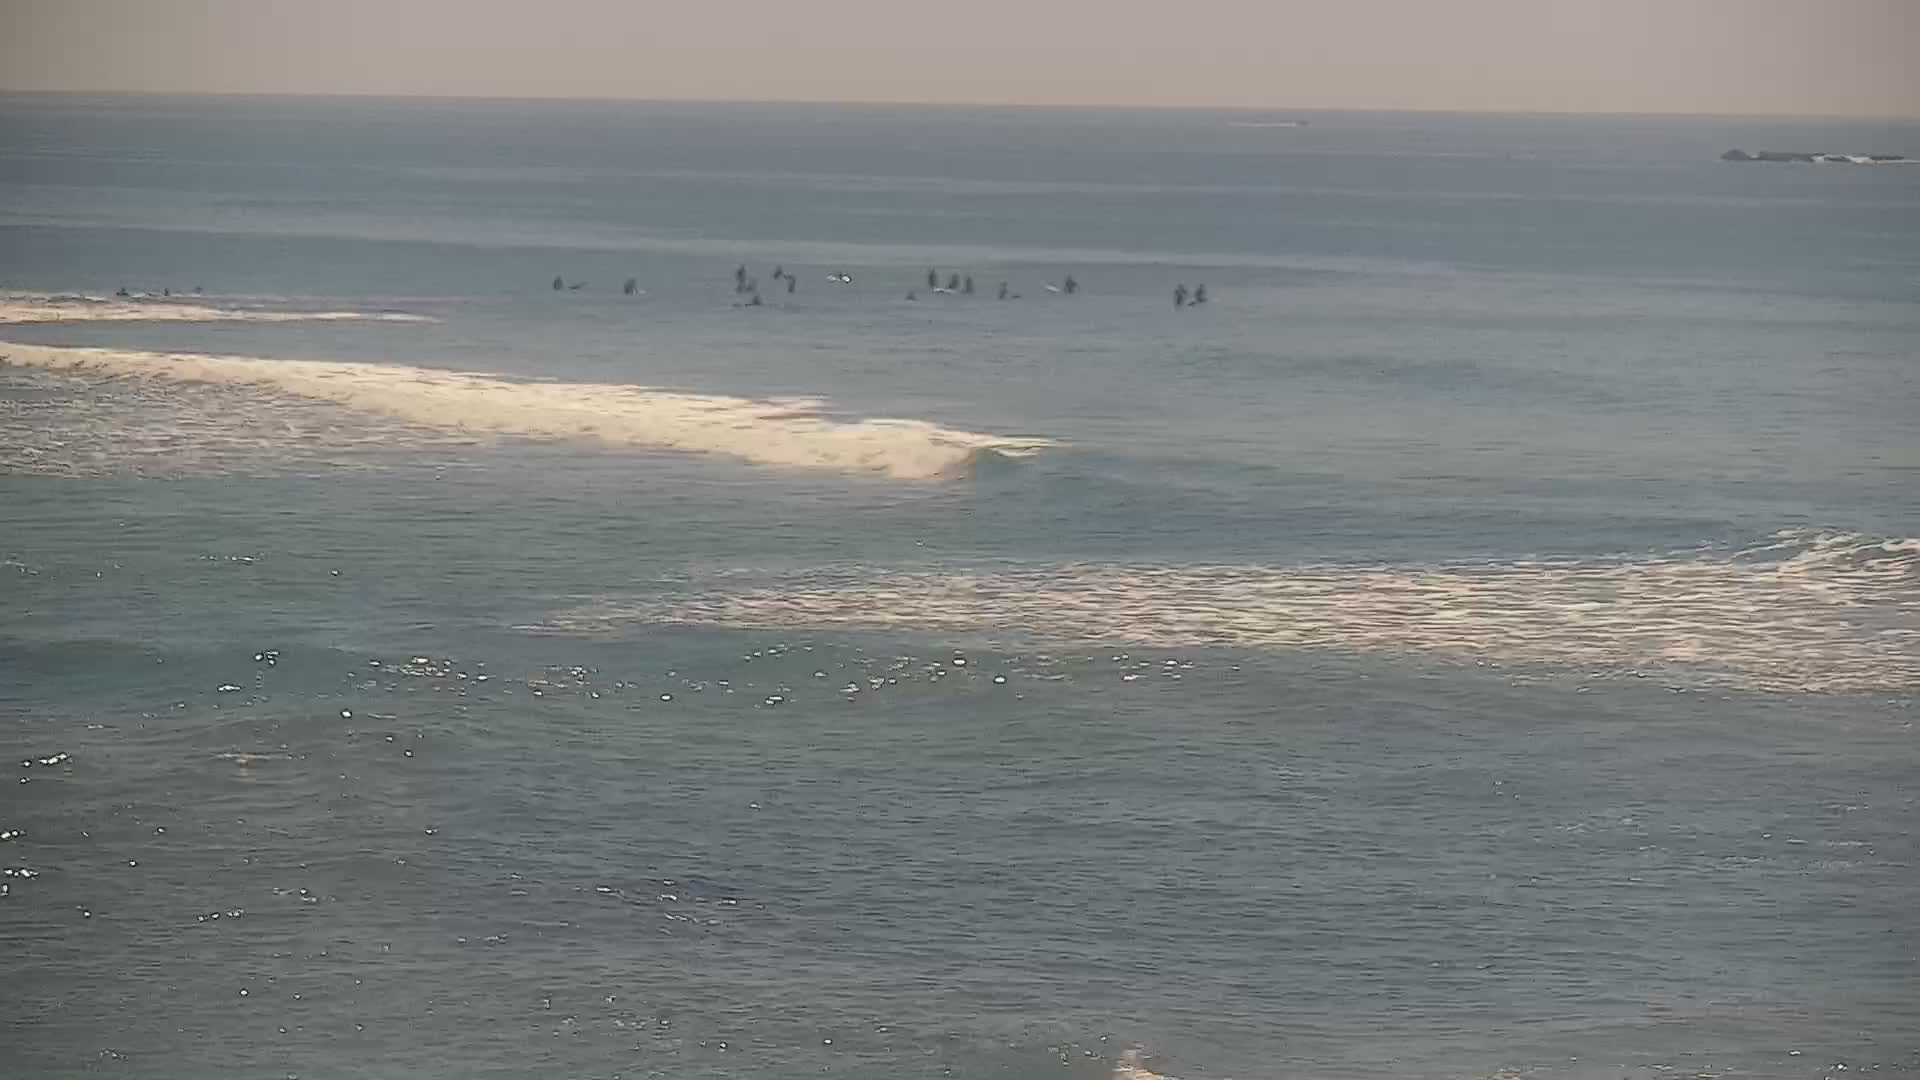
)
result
[(1818, 159)]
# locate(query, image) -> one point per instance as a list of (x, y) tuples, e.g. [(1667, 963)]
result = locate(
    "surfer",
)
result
[(1003, 290), (740, 278), (1180, 295), (558, 284), (632, 286), (933, 279), (1199, 294), (967, 286), (123, 292), (1071, 285), (791, 282)]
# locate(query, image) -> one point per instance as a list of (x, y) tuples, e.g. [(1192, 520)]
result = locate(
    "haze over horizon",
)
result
[(1760, 57)]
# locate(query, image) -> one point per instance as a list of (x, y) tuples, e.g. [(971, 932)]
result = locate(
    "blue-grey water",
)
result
[(1480, 641)]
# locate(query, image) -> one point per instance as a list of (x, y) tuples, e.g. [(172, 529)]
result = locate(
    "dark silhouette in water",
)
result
[(791, 282), (756, 301), (1003, 290), (123, 292), (933, 279), (1070, 285), (166, 292), (1180, 295), (740, 278), (967, 287), (779, 272), (577, 286), (953, 283), (1199, 295), (558, 284), (632, 286)]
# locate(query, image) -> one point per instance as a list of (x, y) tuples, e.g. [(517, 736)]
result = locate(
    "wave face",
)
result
[(22, 308), (782, 432), (1806, 612)]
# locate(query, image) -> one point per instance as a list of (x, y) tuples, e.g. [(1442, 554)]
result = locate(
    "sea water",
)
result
[(1480, 641)]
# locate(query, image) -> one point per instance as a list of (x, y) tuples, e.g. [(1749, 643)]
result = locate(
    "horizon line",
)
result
[(921, 103)]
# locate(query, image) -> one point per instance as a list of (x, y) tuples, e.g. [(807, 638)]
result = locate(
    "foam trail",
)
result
[(1807, 612), (1132, 1065), (57, 424), (22, 308), (786, 432)]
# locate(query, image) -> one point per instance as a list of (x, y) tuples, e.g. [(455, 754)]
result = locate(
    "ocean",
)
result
[(1480, 641)]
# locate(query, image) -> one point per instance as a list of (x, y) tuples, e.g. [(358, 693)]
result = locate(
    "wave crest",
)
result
[(782, 432), (22, 308)]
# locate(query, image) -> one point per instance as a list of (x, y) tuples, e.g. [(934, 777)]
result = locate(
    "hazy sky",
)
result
[(1719, 56)]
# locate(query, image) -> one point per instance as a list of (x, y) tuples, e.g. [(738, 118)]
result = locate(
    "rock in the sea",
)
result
[(1823, 159)]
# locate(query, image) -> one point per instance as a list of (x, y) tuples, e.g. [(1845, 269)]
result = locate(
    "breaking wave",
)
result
[(1807, 611), (58, 425), (21, 308), (788, 432)]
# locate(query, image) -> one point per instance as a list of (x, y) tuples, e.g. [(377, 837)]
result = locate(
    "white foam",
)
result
[(1132, 1065), (21, 308), (59, 424), (1816, 612), (784, 432)]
